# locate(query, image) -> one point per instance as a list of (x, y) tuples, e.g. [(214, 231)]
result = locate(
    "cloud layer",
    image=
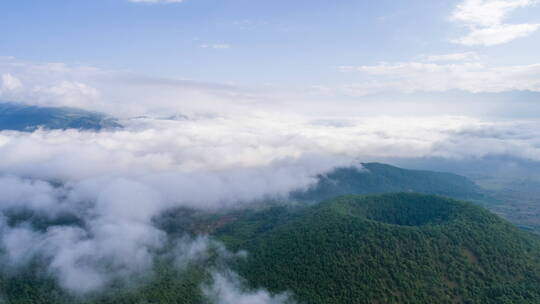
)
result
[(121, 93), (439, 77), (111, 185)]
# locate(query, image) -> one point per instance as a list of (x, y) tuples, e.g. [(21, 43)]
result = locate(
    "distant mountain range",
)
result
[(19, 117)]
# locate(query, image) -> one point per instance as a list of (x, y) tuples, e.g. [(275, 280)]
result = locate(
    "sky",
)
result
[(455, 57)]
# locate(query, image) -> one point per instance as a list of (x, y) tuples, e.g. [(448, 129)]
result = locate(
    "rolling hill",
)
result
[(392, 248)]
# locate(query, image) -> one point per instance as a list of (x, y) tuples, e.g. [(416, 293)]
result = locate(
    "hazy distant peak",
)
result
[(20, 117)]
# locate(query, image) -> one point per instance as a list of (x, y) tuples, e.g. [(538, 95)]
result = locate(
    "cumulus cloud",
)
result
[(71, 93), (109, 246), (117, 238), (19, 193), (487, 12), (499, 34), (50, 84), (484, 20)]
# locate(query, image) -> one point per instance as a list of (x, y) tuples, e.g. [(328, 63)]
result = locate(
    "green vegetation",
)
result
[(167, 284), (394, 248), (381, 178)]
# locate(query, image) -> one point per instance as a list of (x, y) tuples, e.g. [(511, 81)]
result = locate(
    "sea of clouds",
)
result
[(195, 145), (117, 182)]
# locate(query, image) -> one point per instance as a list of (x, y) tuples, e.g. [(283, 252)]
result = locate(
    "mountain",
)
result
[(374, 178), (20, 117), (391, 248)]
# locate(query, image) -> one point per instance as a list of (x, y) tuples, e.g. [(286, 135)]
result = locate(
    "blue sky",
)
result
[(344, 49), (266, 40)]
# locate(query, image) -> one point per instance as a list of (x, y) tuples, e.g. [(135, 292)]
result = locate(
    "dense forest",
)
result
[(373, 178), (391, 248), (394, 248)]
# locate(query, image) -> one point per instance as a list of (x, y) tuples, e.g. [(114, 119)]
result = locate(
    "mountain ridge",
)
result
[(28, 118)]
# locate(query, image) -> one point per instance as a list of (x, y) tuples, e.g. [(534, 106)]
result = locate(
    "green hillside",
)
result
[(382, 178), (394, 248)]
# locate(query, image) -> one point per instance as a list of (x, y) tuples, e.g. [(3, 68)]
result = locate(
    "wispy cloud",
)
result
[(120, 93), (216, 46), (467, 56), (434, 77), (227, 288), (485, 21)]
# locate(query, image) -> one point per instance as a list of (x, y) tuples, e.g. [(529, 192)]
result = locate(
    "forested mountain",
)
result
[(374, 178), (20, 117)]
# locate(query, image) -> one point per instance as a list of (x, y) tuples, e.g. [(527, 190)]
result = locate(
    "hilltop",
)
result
[(392, 248), (372, 178)]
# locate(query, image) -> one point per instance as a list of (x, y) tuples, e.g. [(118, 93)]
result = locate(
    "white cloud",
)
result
[(126, 94), (228, 289), (71, 93), (495, 35), (485, 21), (119, 93), (30, 194), (49, 84), (486, 13), (429, 77), (467, 56), (9, 83), (215, 46)]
